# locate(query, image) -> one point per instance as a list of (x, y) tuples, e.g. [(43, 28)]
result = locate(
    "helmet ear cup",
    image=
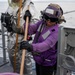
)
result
[(45, 17)]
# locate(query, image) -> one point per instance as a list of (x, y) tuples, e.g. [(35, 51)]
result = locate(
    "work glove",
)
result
[(6, 21), (27, 14), (26, 45)]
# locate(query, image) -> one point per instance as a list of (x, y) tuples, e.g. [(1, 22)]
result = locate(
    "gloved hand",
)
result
[(26, 45), (6, 21), (27, 14)]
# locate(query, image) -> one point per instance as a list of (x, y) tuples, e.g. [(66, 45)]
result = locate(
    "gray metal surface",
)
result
[(66, 51)]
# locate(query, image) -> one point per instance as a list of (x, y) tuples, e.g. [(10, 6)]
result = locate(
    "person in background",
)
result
[(11, 17), (44, 45)]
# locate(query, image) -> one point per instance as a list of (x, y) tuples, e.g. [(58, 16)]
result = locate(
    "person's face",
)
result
[(49, 23)]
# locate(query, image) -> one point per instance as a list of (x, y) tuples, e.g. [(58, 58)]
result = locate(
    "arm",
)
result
[(33, 28), (41, 47)]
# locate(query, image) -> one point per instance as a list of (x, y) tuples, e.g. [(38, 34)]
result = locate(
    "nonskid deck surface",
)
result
[(5, 66)]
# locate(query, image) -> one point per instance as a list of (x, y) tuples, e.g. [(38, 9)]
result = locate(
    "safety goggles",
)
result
[(50, 18)]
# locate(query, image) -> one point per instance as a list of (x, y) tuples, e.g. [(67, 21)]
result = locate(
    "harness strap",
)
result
[(39, 32)]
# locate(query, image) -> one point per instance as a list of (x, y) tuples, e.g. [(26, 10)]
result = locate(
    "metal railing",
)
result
[(3, 47)]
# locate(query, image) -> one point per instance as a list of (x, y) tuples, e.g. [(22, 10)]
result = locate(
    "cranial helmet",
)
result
[(53, 10)]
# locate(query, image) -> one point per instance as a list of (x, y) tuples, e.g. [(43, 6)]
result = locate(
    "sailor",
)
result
[(44, 46), (11, 15)]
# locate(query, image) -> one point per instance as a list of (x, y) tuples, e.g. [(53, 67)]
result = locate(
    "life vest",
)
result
[(48, 57)]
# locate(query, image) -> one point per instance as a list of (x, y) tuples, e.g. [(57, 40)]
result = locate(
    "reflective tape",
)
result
[(45, 35)]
